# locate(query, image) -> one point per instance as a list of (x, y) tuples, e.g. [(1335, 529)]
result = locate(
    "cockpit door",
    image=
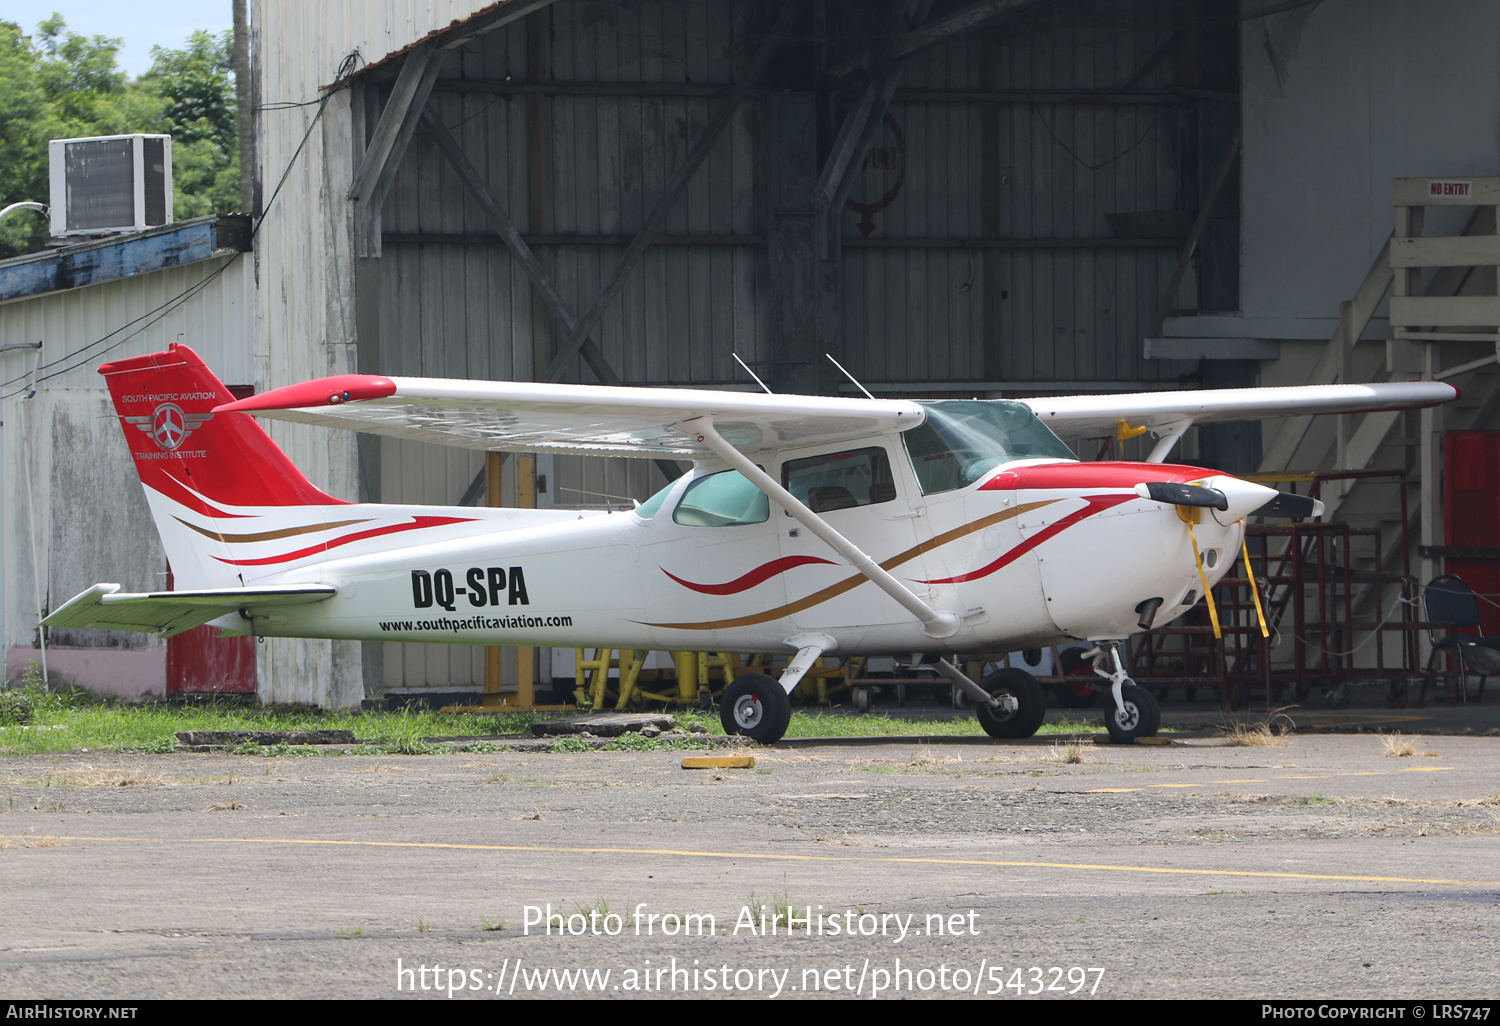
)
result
[(857, 493)]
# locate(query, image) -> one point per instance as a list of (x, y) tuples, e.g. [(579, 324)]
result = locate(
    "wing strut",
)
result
[(935, 623), (1167, 436)]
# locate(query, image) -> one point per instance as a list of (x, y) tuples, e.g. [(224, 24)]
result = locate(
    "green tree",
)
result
[(57, 84), (196, 86), (23, 142)]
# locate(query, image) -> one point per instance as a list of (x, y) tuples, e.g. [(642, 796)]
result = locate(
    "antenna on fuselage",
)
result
[(750, 372), (851, 377)]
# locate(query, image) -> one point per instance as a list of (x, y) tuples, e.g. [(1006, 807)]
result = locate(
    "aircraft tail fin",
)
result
[(203, 471)]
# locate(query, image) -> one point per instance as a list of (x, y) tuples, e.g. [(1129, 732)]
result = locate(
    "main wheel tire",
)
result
[(1140, 716), (1339, 697), (757, 707), (1030, 706)]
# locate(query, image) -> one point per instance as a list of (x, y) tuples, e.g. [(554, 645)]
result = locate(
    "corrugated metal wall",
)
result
[(451, 302), (1068, 312), (590, 164), (64, 455)]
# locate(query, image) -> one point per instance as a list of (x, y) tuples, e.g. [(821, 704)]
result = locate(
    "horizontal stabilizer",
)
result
[(172, 612)]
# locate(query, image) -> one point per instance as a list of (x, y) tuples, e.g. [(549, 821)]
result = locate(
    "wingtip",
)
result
[(334, 391)]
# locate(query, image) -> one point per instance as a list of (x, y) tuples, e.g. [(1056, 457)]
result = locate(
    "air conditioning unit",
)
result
[(111, 183)]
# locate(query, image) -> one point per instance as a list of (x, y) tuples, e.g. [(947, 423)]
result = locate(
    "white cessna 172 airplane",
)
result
[(807, 526)]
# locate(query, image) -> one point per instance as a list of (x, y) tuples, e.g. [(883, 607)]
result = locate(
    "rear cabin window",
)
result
[(725, 499), (840, 480)]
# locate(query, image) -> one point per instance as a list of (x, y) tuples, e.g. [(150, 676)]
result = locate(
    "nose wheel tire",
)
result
[(1030, 706), (757, 707), (1139, 716)]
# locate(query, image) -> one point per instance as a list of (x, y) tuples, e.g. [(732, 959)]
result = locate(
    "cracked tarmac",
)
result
[(1318, 868)]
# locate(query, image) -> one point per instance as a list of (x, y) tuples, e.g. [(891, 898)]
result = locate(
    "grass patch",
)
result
[(1319, 798), (102, 778), (777, 911), (1259, 735), (75, 719), (1071, 755), (1398, 746)]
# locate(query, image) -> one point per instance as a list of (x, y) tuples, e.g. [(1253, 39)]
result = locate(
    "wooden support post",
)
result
[(383, 155)]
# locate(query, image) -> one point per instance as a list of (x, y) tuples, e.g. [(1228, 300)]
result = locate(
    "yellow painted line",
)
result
[(778, 857), (1176, 785), (1246, 780), (1425, 769)]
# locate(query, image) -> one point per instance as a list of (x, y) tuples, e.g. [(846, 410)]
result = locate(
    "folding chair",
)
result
[(1451, 603)]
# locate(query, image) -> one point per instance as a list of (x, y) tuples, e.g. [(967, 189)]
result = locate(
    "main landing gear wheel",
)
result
[(1030, 707), (1139, 716), (757, 707)]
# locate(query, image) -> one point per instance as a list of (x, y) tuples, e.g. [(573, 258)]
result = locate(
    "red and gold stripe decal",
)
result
[(759, 575), (290, 532), (1096, 504), (417, 524), (849, 583)]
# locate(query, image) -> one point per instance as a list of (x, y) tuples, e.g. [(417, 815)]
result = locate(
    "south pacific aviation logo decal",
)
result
[(168, 426)]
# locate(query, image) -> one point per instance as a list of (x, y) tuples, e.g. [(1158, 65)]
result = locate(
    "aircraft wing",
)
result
[(172, 612), (520, 416), (1090, 416)]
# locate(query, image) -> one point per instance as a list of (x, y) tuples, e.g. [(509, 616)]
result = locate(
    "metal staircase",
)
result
[(1445, 316)]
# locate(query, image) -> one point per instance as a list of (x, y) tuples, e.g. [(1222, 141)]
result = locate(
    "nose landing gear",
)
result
[(1129, 711)]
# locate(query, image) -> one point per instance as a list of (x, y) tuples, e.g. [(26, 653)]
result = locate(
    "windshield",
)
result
[(724, 499), (962, 439)]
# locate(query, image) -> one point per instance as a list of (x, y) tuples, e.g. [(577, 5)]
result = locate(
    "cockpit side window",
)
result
[(839, 480)]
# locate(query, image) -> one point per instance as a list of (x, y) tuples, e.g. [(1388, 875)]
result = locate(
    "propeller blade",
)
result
[(1290, 505), (1183, 494)]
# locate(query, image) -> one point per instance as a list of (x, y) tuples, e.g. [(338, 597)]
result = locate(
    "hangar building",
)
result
[(953, 197)]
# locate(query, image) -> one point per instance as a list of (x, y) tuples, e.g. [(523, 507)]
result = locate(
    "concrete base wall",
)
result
[(126, 673)]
